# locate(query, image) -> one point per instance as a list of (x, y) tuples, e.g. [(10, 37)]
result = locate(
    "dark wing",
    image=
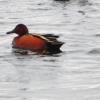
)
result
[(53, 44), (50, 35)]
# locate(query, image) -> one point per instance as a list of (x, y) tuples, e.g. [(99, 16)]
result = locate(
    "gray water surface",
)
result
[(73, 74)]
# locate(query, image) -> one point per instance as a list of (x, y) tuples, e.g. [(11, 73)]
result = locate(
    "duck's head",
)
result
[(20, 29)]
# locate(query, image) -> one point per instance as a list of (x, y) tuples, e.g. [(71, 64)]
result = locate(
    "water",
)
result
[(73, 74)]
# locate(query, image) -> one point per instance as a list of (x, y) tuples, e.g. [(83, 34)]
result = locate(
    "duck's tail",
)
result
[(54, 47)]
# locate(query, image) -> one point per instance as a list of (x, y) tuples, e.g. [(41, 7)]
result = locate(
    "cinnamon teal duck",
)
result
[(45, 43)]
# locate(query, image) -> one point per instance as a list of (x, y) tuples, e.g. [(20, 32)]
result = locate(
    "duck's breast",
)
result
[(29, 42)]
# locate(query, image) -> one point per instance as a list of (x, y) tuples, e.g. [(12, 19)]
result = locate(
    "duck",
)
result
[(40, 43)]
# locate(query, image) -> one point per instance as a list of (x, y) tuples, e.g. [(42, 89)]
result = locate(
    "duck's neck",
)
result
[(19, 35)]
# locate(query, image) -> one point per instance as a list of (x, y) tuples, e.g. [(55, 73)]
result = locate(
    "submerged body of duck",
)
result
[(35, 42)]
